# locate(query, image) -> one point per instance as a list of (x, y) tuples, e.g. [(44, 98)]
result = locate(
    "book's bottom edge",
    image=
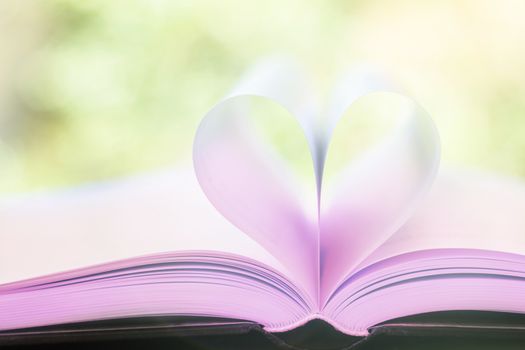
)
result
[(311, 333)]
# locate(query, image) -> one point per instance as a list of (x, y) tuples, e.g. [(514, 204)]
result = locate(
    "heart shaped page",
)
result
[(248, 182)]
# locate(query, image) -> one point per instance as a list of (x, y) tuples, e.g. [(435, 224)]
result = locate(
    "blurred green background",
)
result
[(98, 89)]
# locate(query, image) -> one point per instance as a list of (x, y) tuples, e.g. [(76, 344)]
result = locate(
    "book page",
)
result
[(464, 209), (159, 212)]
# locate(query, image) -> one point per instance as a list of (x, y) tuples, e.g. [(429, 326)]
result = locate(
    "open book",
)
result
[(243, 240)]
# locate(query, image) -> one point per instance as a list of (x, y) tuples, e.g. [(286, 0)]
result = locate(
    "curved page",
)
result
[(464, 209), (377, 192), (166, 211), (247, 181)]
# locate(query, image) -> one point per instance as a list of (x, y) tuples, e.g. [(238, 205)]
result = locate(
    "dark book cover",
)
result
[(450, 330)]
